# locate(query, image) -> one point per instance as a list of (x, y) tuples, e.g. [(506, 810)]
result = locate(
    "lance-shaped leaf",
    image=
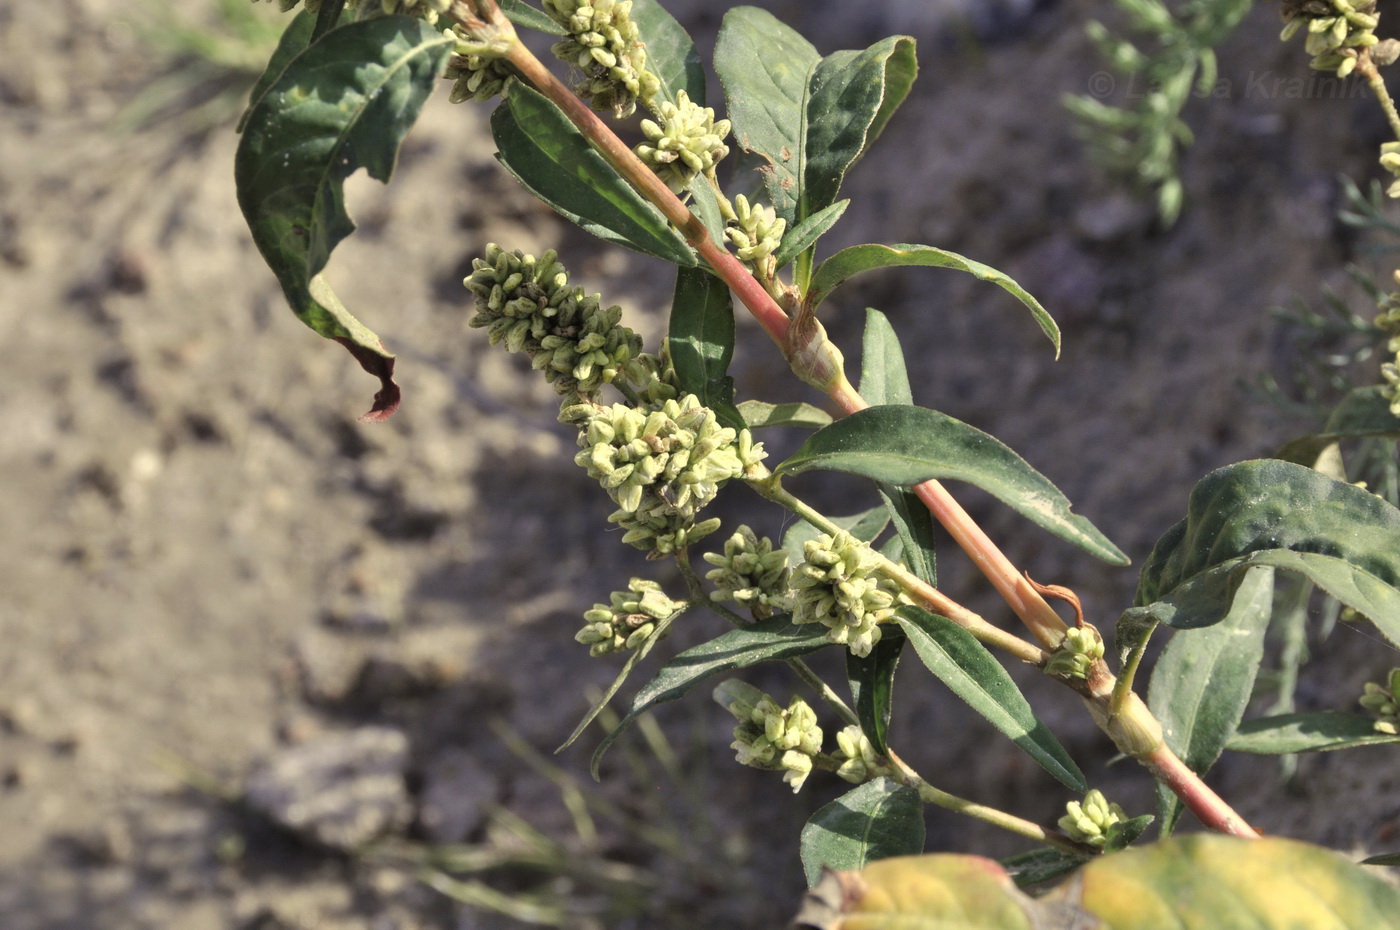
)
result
[(1202, 682), (884, 379), (546, 153), (1041, 865), (1362, 413), (907, 445), (850, 262), (1267, 512), (872, 686), (295, 38), (1321, 731), (865, 526), (770, 640), (522, 14), (764, 65), (965, 666), (702, 341), (342, 104), (1202, 882), (878, 820), (805, 234), (671, 53), (758, 414)]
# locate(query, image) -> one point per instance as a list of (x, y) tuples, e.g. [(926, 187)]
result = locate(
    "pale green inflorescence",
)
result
[(858, 759), (756, 234), (527, 304), (478, 68), (604, 43), (1336, 30), (1089, 821), (770, 736), (1389, 322), (661, 466), (1077, 652), (750, 572), (683, 141), (1384, 702), (628, 620), (839, 585)]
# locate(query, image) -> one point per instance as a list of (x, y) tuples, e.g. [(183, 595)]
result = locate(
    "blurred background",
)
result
[(265, 667)]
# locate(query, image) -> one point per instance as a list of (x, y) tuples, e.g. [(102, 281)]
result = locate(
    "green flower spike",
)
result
[(756, 234), (1089, 822), (1336, 31), (684, 143), (751, 573), (769, 736), (527, 304), (859, 760), (1384, 702), (629, 620), (1389, 322), (838, 585), (661, 466), (1078, 650), (478, 66), (604, 43)]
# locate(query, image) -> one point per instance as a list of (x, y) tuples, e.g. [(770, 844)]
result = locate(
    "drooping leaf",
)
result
[(522, 14), (884, 379), (1203, 680), (851, 95), (702, 341), (965, 666), (344, 103), (877, 820), (546, 153), (759, 414), (847, 263), (1198, 882), (764, 65), (1321, 731), (671, 54), (864, 526), (295, 38), (872, 686), (907, 445), (1268, 512), (770, 640), (805, 234)]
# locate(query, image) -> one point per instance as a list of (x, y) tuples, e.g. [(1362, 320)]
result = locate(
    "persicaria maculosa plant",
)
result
[(662, 432)]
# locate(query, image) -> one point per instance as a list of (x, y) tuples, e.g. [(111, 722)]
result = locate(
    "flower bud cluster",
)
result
[(839, 585), (527, 304), (1384, 702), (769, 736), (604, 43), (1080, 648), (478, 68), (1089, 822), (751, 573), (858, 759), (1336, 31), (629, 620), (682, 142), (1389, 322), (756, 233), (661, 466)]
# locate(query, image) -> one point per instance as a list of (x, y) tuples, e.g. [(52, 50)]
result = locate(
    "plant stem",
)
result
[(824, 691), (1198, 797), (905, 775), (1367, 69)]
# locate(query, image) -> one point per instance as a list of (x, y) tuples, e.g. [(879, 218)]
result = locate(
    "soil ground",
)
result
[(209, 562)]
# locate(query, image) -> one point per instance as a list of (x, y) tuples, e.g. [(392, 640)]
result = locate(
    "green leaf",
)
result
[(705, 205), (907, 445), (1322, 731), (702, 341), (1362, 413), (544, 151), (522, 14), (342, 104), (885, 380), (865, 526), (850, 97), (847, 263), (964, 665), (671, 54), (759, 414), (805, 234), (872, 684), (764, 65), (771, 640), (1040, 865), (1267, 512), (294, 41), (1203, 680), (1383, 859), (1125, 833), (877, 820)]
